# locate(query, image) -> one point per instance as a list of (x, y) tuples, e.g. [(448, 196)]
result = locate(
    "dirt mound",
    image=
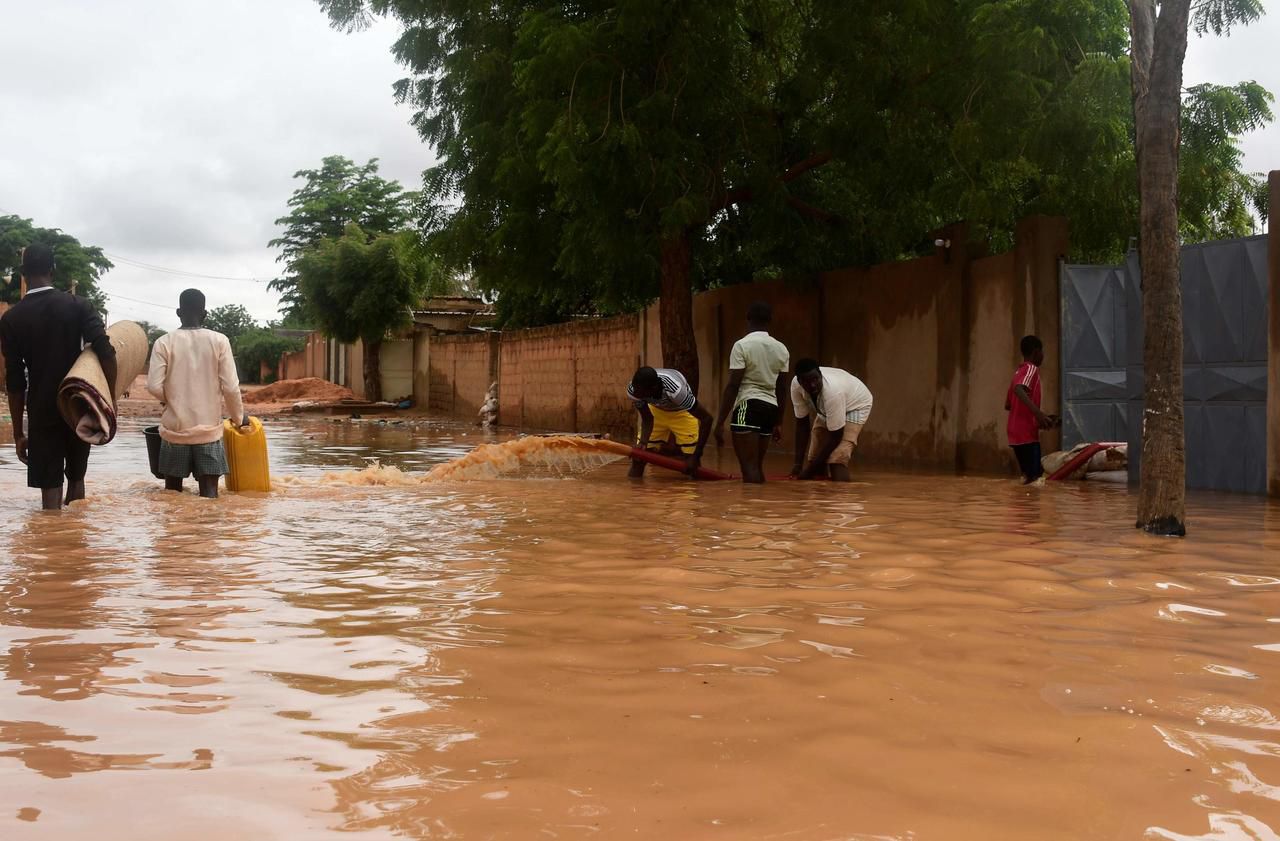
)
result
[(307, 388)]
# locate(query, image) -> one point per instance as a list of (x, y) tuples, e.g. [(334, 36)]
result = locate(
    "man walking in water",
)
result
[(842, 404), (1022, 402), (668, 407), (757, 369), (192, 373), (41, 337)]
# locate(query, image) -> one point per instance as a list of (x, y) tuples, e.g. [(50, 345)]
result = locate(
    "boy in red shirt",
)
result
[(1023, 405)]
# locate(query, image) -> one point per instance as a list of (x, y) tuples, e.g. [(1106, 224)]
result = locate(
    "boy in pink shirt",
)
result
[(1022, 402)]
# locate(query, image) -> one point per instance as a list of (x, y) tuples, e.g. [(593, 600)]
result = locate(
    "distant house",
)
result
[(454, 314)]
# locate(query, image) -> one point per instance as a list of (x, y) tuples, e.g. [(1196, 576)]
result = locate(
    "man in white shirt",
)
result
[(757, 374), (193, 373), (842, 404)]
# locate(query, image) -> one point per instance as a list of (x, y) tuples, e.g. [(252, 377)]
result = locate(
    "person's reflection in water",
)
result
[(54, 587)]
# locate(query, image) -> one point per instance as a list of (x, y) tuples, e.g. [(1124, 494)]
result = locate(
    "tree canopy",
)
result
[(231, 320), (78, 266), (588, 150), (333, 196), (362, 286)]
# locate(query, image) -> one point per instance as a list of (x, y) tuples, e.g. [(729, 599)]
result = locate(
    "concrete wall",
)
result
[(935, 339), (569, 377), (462, 367), (422, 367), (1273, 356)]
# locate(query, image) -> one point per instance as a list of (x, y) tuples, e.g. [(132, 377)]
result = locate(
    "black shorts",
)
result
[(54, 451), (754, 416), (1029, 461)]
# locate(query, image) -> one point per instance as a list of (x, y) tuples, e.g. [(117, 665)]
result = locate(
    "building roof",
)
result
[(453, 305)]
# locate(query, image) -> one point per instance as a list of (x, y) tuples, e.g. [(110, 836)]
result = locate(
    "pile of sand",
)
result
[(307, 388)]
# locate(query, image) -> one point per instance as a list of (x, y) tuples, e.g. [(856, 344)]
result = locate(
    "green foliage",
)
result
[(77, 264), (257, 345), (231, 320), (574, 139), (337, 194), (153, 332), (362, 287), (1218, 16)]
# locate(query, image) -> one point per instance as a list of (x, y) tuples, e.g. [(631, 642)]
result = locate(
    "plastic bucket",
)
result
[(152, 434)]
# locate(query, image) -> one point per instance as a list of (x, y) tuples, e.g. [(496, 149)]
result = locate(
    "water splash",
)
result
[(532, 457)]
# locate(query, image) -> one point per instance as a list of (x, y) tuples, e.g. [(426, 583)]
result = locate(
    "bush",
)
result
[(258, 345)]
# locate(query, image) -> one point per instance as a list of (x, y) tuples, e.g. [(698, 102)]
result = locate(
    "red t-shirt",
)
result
[(1023, 428)]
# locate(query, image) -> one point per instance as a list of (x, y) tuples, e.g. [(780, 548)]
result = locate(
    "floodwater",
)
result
[(911, 657)]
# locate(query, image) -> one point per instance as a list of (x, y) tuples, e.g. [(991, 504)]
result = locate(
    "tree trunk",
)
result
[(372, 371), (1159, 46), (675, 309)]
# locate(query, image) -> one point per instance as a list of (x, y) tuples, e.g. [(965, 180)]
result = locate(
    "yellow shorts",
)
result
[(683, 425)]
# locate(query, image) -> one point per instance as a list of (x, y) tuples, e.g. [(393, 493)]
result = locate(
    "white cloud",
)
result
[(168, 133)]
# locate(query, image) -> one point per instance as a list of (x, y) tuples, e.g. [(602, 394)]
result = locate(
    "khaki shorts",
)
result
[(843, 451)]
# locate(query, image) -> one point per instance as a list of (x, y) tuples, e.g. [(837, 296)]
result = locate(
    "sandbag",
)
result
[(83, 401)]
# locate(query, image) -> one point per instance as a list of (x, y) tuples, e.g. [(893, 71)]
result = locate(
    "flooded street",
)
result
[(912, 657)]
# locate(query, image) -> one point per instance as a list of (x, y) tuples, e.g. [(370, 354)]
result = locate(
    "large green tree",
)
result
[(1159, 46), (338, 193), (595, 155), (364, 286), (79, 267)]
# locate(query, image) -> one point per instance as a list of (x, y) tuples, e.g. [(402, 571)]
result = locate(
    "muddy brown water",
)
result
[(911, 657)]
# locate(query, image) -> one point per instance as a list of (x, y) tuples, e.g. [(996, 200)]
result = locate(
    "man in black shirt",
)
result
[(41, 337)]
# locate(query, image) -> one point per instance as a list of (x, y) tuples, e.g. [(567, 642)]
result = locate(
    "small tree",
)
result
[(337, 194), (363, 287), (231, 320)]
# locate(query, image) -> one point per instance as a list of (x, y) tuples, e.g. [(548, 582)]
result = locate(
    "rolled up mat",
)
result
[(83, 400)]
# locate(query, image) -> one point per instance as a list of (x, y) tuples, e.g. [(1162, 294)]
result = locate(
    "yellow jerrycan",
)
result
[(246, 456)]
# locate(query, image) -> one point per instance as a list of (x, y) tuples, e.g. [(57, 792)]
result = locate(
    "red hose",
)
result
[(677, 465)]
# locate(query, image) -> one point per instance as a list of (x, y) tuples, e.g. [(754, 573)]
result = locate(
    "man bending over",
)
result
[(841, 403), (668, 407)]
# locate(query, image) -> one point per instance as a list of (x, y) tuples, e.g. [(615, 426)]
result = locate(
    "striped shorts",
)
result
[(178, 461)]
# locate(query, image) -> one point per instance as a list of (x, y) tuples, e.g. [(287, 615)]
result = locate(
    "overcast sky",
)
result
[(168, 132)]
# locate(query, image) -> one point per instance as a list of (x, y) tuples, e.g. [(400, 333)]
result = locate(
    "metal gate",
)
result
[(1094, 395), (1224, 324)]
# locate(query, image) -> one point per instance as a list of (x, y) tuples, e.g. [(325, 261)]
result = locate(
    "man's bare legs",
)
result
[(751, 447)]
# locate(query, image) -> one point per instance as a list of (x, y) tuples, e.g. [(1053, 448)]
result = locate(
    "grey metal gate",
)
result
[(1224, 363), (1094, 395), (1224, 306)]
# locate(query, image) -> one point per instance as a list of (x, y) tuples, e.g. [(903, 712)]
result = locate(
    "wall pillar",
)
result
[(422, 365), (1040, 242), (1273, 355)]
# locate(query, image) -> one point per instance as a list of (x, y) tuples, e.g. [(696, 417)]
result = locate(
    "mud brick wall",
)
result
[(569, 377), (462, 368)]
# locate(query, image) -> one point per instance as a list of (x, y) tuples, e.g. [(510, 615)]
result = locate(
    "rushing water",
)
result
[(911, 657)]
